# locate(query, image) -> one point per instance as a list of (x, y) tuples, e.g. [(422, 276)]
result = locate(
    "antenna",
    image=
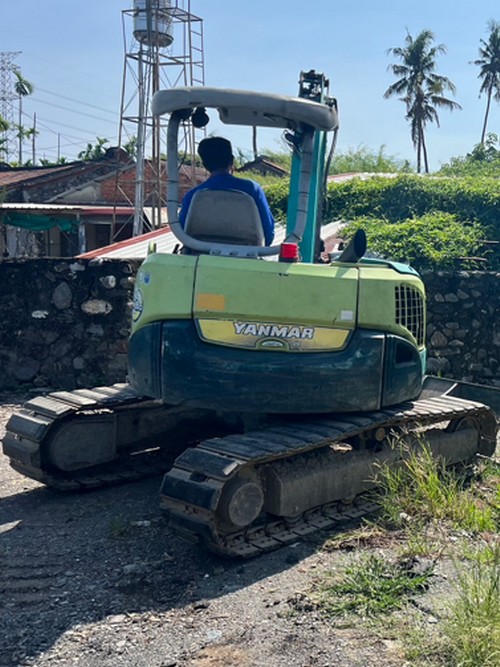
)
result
[(163, 48)]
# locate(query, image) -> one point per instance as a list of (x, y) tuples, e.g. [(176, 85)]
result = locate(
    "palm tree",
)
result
[(4, 126), (489, 64), (94, 152), (420, 87), (23, 87)]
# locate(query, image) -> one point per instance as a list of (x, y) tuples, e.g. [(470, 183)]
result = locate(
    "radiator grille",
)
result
[(410, 311)]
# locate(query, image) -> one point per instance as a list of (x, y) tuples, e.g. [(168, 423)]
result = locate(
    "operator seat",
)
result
[(224, 216)]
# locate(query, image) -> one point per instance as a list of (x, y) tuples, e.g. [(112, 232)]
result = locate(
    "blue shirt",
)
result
[(226, 181)]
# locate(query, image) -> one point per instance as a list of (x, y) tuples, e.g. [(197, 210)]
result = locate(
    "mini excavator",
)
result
[(267, 392)]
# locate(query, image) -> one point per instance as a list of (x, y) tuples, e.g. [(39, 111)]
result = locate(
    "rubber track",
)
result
[(37, 418), (192, 489)]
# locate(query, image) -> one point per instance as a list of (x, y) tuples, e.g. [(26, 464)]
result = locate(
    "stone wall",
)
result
[(463, 325), (65, 323)]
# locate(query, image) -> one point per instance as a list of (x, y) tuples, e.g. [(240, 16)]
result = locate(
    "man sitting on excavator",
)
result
[(217, 157)]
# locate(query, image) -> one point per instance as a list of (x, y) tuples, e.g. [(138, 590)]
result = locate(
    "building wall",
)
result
[(65, 324)]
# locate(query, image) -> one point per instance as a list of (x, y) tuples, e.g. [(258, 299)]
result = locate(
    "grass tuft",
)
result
[(372, 586), (424, 489), (119, 527), (473, 628)]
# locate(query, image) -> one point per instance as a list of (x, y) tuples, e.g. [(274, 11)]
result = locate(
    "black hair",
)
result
[(216, 153)]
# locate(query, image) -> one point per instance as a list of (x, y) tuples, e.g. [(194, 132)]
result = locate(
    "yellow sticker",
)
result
[(210, 302)]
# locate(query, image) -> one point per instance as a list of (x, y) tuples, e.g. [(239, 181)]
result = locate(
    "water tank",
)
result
[(153, 22)]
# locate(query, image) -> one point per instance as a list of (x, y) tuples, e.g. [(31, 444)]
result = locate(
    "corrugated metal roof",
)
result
[(165, 240), (15, 175), (85, 209)]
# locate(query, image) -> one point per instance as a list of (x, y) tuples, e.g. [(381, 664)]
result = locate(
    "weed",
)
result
[(368, 535), (484, 555), (470, 635), (371, 586), (473, 628), (423, 540), (422, 488), (119, 527)]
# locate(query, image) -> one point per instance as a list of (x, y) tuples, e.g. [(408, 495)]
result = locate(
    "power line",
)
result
[(80, 113), (71, 99)]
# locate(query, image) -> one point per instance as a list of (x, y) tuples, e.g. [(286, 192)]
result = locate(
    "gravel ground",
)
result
[(98, 579)]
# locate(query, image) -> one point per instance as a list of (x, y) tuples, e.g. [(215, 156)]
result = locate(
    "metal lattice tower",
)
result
[(7, 106), (163, 49)]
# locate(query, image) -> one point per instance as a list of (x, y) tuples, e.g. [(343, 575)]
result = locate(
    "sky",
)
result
[(73, 52)]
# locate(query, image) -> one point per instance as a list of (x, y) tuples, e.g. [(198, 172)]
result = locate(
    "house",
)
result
[(66, 209), (263, 165)]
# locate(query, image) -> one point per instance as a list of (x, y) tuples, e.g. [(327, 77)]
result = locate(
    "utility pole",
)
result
[(33, 142)]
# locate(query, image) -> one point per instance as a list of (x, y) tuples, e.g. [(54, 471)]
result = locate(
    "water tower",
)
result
[(163, 49), (153, 22)]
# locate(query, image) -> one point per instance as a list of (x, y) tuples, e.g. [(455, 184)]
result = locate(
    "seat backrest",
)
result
[(224, 216)]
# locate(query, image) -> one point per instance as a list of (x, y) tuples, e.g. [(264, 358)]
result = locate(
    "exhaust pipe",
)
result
[(355, 249)]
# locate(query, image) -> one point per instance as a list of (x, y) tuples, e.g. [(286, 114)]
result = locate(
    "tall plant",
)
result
[(4, 126), (420, 87), (489, 70), (23, 88)]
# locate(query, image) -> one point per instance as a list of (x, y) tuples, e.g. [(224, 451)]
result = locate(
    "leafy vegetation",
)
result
[(432, 511), (432, 240), (371, 586), (365, 160), (483, 160), (424, 488), (94, 151), (397, 199), (352, 161), (472, 631), (428, 221)]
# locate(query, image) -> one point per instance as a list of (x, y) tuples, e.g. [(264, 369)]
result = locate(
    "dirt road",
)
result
[(98, 579)]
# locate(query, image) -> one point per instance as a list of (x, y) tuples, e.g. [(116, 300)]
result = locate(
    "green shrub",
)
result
[(428, 221), (435, 240), (404, 197), (363, 159), (277, 196)]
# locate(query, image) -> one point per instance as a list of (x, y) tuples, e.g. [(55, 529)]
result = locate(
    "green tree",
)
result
[(131, 147), (420, 87), (483, 160), (49, 163), (4, 126), (23, 88), (363, 159), (23, 134), (489, 70), (94, 151)]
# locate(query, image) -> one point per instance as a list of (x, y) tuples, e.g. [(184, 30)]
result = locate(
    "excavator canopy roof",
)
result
[(242, 107)]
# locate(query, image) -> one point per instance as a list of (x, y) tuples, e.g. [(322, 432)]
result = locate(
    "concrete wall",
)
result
[(65, 323)]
